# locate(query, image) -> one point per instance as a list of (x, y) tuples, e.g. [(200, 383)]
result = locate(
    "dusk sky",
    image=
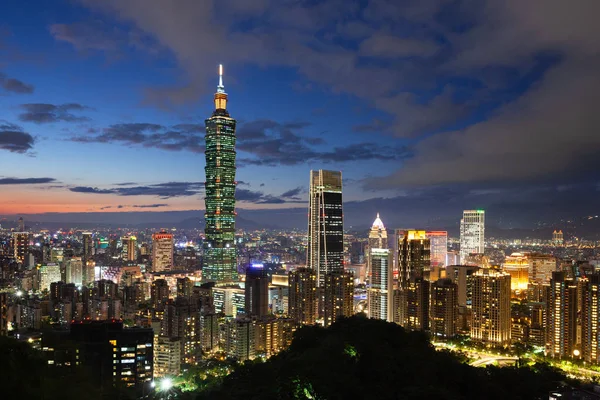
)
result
[(427, 107)]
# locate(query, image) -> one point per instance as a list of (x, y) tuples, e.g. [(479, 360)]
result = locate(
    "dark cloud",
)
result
[(14, 139), (158, 205), (41, 113), (14, 85), (257, 197), (182, 137), (293, 192), (161, 190), (25, 181), (272, 143)]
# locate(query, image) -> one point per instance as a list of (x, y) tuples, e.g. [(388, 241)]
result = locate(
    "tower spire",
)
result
[(220, 88)]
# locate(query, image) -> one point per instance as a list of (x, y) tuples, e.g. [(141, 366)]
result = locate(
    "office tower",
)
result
[(517, 265), (257, 291), (413, 304), (338, 296), (443, 309), (220, 254), (48, 274), (159, 293), (167, 356), (325, 224), (380, 289), (558, 238), (229, 300), (74, 271), (561, 316), (377, 240), (240, 339), (116, 355), (590, 317), (541, 267), (472, 233), (438, 241), (184, 287), (21, 224), (491, 321), (303, 296), (20, 245), (209, 331), (413, 254), (162, 251), (462, 275), (129, 248)]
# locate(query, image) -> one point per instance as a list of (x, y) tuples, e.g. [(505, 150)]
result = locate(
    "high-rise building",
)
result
[(413, 254), (377, 240), (517, 265), (338, 296), (162, 251), (443, 309), (541, 267), (380, 289), (590, 320), (240, 339), (413, 304), (491, 321), (558, 238), (185, 287), (74, 271), (229, 300), (220, 254), (21, 224), (129, 248), (438, 241), (472, 233), (86, 257), (167, 356), (303, 296), (257, 291), (561, 316), (20, 245), (159, 293), (325, 224), (462, 275), (48, 274)]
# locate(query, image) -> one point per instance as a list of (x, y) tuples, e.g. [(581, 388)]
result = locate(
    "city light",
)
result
[(166, 384)]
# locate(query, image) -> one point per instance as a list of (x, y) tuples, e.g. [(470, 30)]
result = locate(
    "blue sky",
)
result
[(453, 104)]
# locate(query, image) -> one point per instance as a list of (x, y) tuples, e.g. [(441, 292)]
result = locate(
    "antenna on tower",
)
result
[(221, 88)]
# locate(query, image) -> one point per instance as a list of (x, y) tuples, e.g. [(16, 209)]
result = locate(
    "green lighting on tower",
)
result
[(220, 256)]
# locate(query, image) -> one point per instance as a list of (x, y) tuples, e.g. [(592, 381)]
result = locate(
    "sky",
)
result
[(427, 107)]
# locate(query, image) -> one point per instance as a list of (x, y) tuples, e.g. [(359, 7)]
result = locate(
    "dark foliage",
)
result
[(358, 358)]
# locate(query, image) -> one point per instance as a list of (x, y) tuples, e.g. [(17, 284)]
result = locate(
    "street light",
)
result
[(166, 384)]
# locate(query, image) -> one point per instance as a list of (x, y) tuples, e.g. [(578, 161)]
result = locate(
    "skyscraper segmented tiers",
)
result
[(220, 256), (472, 233)]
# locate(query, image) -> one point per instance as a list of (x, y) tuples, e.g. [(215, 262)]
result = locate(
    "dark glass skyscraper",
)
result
[(220, 262)]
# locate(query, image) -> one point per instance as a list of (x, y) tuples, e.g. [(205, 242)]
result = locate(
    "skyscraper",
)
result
[(338, 296), (377, 240), (303, 296), (257, 291), (86, 257), (562, 316), (517, 265), (380, 289), (439, 247), (129, 248), (20, 245), (443, 309), (413, 254), (472, 233), (325, 224), (491, 307), (590, 326), (220, 255), (21, 224), (162, 251)]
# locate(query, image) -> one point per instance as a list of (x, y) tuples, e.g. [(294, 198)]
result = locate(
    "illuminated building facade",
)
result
[(229, 300), (517, 265), (325, 224), (443, 309), (303, 299), (338, 296), (590, 326), (561, 316), (377, 240), (541, 267), (380, 289), (413, 304), (162, 251), (86, 256), (491, 322), (558, 238), (74, 271), (167, 356), (462, 275), (20, 245), (48, 274), (413, 254), (129, 248), (159, 293), (472, 233), (438, 241), (220, 254), (240, 339)]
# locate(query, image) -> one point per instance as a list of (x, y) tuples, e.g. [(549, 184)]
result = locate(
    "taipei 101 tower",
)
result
[(220, 261)]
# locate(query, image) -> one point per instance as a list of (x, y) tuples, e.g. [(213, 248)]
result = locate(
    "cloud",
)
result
[(161, 190), (41, 113), (293, 192), (386, 45), (14, 139), (181, 137), (272, 143), (158, 205), (25, 181), (14, 85), (257, 197)]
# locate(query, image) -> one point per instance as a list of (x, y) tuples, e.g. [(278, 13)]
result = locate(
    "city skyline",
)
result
[(106, 87)]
